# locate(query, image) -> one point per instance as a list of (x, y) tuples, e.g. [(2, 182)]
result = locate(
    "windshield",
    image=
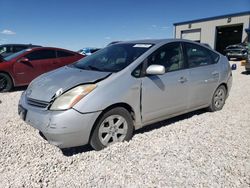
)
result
[(113, 58), (12, 56), (234, 47)]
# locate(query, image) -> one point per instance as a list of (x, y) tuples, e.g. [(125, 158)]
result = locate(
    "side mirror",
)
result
[(155, 70), (23, 60)]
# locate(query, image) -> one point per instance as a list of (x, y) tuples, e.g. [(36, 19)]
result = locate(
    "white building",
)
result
[(218, 32)]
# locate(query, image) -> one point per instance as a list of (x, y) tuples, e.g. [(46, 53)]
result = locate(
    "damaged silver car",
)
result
[(103, 98)]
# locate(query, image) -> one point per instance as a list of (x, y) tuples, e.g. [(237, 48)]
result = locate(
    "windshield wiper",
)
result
[(93, 68)]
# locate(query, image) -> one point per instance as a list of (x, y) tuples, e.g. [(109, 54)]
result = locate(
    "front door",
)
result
[(166, 94), (39, 62)]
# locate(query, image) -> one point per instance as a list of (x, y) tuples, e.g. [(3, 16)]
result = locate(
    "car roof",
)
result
[(50, 48), (20, 45), (156, 41), (148, 41)]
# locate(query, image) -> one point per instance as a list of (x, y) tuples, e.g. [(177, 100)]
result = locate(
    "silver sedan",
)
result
[(103, 98)]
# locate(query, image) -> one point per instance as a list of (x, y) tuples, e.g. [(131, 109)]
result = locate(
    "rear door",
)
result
[(166, 94), (203, 74), (40, 61)]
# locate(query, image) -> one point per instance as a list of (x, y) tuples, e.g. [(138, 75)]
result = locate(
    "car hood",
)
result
[(45, 86)]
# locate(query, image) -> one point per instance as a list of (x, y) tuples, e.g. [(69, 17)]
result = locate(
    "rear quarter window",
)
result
[(215, 56), (200, 56)]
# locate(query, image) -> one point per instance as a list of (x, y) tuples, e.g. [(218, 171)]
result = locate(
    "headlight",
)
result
[(71, 97)]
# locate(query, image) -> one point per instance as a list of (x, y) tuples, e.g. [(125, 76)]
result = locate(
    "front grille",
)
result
[(37, 103)]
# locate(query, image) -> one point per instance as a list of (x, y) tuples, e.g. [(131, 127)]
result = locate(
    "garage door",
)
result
[(194, 35)]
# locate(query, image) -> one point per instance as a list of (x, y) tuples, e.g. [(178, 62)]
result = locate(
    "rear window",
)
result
[(61, 53), (19, 48), (233, 47)]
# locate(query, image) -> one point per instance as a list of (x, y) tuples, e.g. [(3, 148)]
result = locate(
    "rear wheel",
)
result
[(218, 99), (114, 126), (5, 82)]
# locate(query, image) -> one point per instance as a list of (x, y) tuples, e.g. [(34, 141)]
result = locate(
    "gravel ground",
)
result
[(199, 149)]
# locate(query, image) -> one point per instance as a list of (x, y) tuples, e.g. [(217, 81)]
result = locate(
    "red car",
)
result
[(21, 68)]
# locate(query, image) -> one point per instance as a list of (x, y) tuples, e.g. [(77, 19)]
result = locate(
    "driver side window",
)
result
[(170, 56)]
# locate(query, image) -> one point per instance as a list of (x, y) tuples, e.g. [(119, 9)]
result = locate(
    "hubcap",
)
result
[(219, 98), (3, 83), (113, 129)]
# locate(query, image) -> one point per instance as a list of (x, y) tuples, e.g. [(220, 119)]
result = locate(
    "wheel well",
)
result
[(123, 105), (225, 85), (9, 76)]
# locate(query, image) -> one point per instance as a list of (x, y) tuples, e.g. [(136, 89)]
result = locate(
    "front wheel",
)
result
[(114, 126), (218, 99), (5, 83)]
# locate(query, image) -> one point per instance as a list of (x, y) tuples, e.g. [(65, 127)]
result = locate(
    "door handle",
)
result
[(182, 80), (215, 74), (135, 88)]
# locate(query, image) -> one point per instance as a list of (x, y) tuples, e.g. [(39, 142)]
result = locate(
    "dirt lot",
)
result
[(198, 149)]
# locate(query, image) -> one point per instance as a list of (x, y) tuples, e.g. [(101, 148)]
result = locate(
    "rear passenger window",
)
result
[(169, 56), (41, 54), (64, 54), (198, 56)]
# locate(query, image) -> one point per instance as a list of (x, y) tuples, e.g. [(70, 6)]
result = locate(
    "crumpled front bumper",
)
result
[(64, 129)]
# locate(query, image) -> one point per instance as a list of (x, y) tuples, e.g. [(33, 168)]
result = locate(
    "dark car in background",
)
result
[(21, 68), (247, 65), (237, 51), (8, 49)]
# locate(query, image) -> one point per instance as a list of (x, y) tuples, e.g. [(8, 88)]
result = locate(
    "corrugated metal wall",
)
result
[(208, 28)]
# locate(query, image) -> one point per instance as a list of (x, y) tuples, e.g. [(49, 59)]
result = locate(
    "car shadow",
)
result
[(168, 122), (245, 72), (21, 88), (68, 152)]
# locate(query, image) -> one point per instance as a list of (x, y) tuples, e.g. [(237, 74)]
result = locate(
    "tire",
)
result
[(115, 125), (218, 99), (5, 82)]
